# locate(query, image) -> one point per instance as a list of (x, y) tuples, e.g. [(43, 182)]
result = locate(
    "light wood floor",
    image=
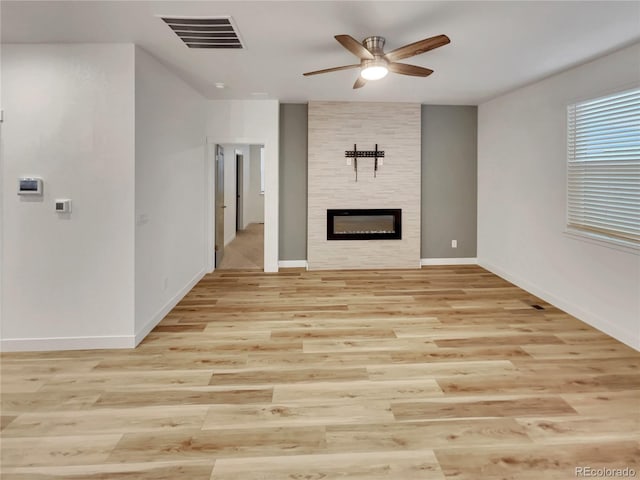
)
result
[(246, 251), (439, 373)]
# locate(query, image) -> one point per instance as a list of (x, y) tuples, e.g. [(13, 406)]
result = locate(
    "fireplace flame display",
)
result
[(364, 224)]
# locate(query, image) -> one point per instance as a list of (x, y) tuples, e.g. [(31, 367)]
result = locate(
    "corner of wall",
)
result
[(170, 193), (156, 318)]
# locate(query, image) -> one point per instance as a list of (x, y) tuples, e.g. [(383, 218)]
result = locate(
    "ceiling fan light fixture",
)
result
[(374, 72), (374, 69), (376, 64)]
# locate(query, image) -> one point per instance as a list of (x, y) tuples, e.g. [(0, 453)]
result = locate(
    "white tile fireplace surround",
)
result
[(334, 127)]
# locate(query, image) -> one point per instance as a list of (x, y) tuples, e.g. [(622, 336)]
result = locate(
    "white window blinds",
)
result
[(603, 154)]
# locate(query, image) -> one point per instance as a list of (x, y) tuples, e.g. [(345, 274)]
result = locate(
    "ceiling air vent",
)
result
[(210, 32)]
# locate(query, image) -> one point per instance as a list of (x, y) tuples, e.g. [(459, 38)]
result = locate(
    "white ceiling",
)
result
[(495, 46)]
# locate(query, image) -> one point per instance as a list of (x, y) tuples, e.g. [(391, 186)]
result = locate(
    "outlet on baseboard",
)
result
[(454, 243)]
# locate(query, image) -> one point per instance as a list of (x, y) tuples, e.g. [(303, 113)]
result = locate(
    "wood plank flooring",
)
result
[(443, 373), (246, 250)]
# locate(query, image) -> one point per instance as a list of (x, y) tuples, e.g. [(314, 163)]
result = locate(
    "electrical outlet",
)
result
[(142, 219), (348, 162), (454, 243), (381, 161)]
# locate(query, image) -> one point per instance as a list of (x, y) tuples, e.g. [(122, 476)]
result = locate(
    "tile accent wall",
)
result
[(333, 128)]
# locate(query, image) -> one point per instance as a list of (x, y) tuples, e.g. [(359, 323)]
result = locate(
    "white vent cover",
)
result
[(209, 32)]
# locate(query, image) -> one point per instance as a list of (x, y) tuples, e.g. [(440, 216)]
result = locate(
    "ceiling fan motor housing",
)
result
[(376, 46)]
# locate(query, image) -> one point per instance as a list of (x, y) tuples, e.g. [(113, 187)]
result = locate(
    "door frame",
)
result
[(271, 196), (218, 205), (239, 191)]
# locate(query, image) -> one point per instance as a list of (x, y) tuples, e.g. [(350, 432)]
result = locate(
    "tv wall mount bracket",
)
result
[(355, 154)]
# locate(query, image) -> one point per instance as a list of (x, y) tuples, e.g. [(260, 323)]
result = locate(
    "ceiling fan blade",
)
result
[(360, 82), (334, 69), (413, 70), (354, 46), (417, 48)]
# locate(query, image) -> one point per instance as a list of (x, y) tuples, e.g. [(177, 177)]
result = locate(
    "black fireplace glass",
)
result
[(364, 224)]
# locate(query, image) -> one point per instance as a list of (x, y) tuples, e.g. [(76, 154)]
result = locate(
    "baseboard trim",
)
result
[(96, 342), (449, 261), (65, 343), (627, 337), (293, 264), (160, 314)]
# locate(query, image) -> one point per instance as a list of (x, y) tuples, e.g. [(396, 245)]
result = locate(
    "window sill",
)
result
[(603, 241)]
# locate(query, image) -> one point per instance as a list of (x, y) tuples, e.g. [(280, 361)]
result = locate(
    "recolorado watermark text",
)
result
[(590, 472)]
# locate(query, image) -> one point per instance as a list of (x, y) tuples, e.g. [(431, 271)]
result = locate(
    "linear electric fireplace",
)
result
[(364, 224)]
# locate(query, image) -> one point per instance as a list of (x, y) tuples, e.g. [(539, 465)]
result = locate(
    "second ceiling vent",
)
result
[(210, 32)]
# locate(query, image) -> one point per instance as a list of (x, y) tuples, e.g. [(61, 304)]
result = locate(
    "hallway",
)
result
[(246, 251)]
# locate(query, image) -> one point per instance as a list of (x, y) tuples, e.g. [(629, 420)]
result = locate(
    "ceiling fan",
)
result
[(375, 64)]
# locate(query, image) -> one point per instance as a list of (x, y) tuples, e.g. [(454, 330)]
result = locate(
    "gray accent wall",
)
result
[(293, 182), (449, 181)]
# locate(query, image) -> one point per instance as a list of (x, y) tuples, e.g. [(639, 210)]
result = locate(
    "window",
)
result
[(603, 168)]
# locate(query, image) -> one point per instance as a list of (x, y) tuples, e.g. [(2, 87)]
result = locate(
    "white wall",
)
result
[(169, 190), (254, 199), (521, 200), (253, 122), (246, 185), (68, 280), (230, 166)]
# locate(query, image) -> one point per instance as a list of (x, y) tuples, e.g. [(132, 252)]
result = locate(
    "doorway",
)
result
[(243, 217)]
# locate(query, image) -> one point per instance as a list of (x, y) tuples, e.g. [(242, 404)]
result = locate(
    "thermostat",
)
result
[(29, 186), (63, 205)]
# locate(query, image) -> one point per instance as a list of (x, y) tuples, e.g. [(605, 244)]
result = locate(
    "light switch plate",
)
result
[(63, 205)]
